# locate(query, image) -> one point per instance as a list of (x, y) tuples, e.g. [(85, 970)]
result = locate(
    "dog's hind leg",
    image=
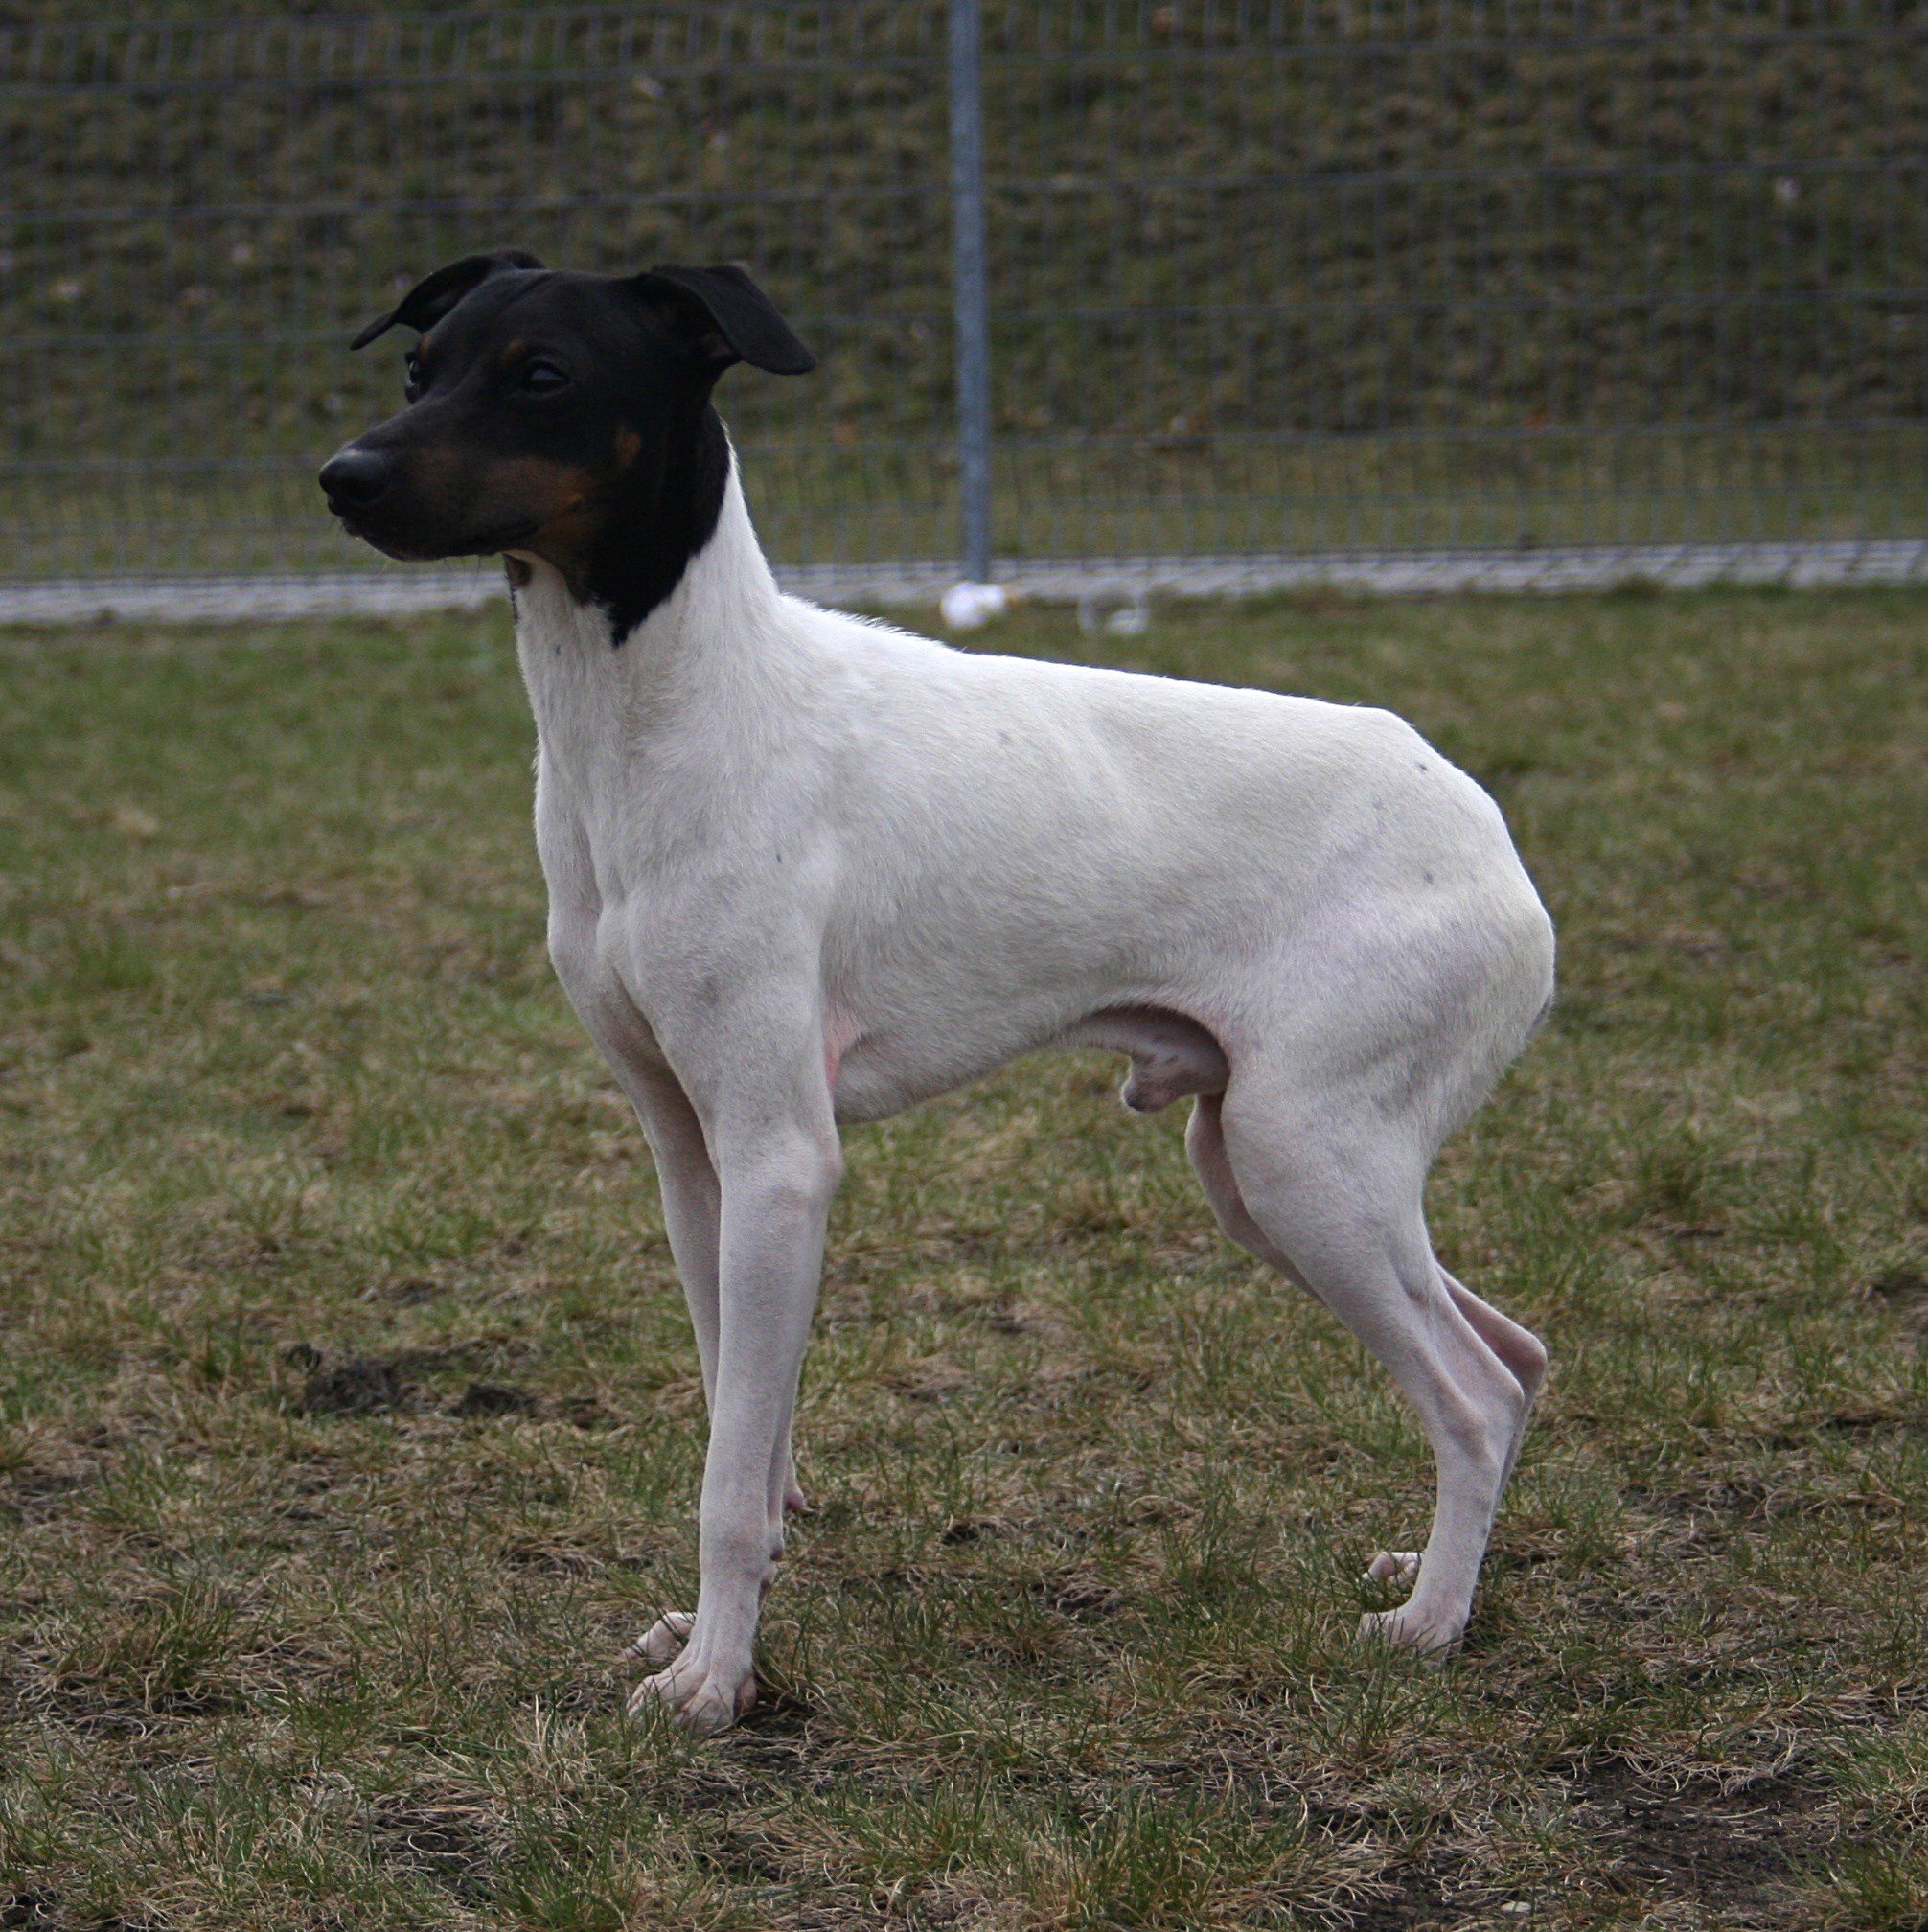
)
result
[(1523, 1351), (1526, 1356), (1205, 1143), (1519, 1349), (1341, 1212)]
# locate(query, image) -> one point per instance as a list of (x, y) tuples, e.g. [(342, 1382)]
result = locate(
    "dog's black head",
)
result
[(560, 416)]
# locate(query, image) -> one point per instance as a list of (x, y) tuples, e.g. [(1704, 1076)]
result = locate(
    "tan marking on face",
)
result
[(629, 447), (463, 494), (560, 500), (537, 486), (514, 354)]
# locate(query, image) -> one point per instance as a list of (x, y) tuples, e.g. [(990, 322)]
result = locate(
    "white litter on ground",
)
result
[(965, 606)]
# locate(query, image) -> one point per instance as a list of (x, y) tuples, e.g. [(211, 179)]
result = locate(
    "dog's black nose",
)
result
[(356, 476)]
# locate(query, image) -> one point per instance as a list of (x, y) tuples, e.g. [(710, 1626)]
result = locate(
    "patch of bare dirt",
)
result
[(1728, 1846), (1905, 1288), (36, 1495), (394, 1385), (449, 1844), (368, 1385), (1431, 1893), (495, 1398)]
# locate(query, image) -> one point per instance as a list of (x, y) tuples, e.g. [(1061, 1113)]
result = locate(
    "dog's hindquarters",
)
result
[(1320, 1170)]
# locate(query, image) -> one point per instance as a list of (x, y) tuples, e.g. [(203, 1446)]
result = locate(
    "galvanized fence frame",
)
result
[(1218, 295)]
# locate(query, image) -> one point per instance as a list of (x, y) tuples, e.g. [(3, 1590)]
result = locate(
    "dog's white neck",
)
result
[(713, 631)]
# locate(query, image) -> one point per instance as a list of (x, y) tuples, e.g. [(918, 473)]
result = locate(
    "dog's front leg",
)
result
[(692, 1201), (777, 1177), (692, 1217)]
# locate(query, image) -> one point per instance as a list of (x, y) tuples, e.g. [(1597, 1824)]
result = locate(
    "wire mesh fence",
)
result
[(1395, 278)]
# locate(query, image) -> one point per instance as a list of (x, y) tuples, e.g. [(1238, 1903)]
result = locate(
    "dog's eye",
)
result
[(541, 379), (411, 376)]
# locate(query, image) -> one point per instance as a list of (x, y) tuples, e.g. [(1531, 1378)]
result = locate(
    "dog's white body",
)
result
[(805, 868)]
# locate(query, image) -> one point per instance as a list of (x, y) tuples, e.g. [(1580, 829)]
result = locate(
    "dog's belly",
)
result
[(1172, 1056)]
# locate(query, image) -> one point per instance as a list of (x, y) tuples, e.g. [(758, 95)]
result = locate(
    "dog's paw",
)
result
[(663, 1641), (1393, 1566), (704, 1701), (794, 1502), (1400, 1628)]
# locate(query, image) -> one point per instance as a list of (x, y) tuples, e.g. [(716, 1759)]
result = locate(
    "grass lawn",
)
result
[(349, 1423)]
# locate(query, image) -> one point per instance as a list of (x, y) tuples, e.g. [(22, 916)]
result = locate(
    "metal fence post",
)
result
[(970, 294)]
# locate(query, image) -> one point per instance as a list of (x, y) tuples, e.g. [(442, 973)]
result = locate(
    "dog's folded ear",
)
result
[(723, 317), (430, 299)]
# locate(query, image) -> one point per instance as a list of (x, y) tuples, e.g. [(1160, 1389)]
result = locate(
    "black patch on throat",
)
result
[(658, 523)]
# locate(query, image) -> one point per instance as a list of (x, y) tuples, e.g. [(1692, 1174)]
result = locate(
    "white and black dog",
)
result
[(805, 869)]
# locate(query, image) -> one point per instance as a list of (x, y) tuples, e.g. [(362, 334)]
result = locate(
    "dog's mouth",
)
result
[(357, 527), (409, 548)]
